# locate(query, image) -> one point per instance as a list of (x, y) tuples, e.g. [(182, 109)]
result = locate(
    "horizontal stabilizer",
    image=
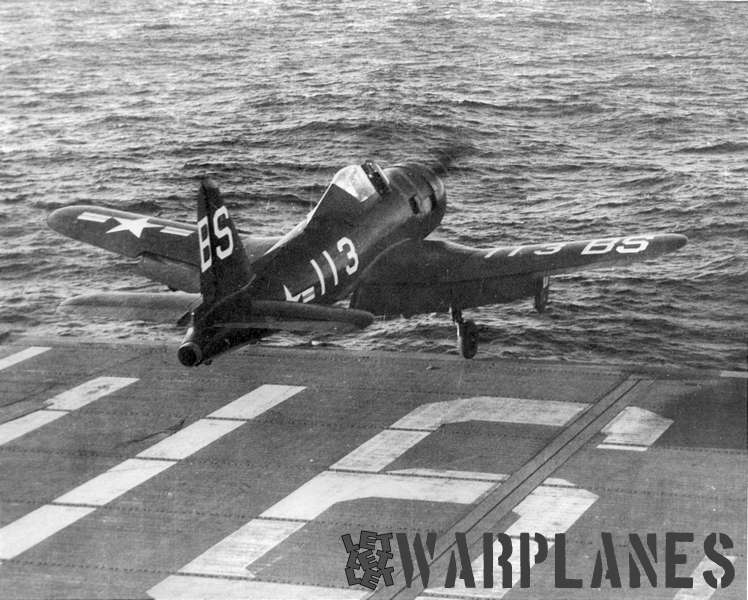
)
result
[(156, 307), (302, 318), (174, 307)]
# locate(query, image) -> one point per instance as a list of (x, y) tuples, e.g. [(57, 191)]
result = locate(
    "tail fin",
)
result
[(224, 266)]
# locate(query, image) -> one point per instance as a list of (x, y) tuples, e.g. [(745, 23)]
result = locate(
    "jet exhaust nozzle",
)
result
[(190, 354)]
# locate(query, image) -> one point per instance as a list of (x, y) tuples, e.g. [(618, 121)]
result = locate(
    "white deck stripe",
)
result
[(37, 526), (547, 510), (330, 487), (61, 404), (231, 555), (88, 392), (635, 426), (256, 402), (22, 355), (29, 530), (739, 374), (701, 589), (629, 447), (477, 475), (189, 440), (348, 482), (23, 425), (430, 417), (375, 454), (113, 483), (551, 510), (206, 588)]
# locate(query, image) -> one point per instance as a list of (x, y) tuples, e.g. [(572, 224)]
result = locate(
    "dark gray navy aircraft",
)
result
[(365, 240)]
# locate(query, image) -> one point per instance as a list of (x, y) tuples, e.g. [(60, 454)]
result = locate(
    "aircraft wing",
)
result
[(167, 250), (430, 275), (126, 233)]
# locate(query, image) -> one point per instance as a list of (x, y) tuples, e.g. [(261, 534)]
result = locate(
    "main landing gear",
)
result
[(542, 289), (467, 334)]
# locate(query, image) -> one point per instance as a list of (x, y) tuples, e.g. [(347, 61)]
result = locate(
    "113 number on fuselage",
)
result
[(322, 265)]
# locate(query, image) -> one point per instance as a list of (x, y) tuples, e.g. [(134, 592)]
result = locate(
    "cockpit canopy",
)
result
[(362, 181)]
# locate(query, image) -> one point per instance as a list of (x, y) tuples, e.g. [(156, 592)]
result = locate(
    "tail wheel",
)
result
[(467, 338)]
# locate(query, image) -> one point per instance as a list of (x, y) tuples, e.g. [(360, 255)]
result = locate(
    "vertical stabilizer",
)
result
[(224, 266)]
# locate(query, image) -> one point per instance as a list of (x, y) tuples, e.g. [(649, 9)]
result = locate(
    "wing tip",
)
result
[(676, 241), (60, 219)]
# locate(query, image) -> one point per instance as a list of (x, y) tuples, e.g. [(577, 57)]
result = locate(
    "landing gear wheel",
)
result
[(542, 289), (467, 338)]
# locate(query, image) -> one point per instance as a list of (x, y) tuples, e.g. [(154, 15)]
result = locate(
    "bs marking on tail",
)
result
[(221, 231)]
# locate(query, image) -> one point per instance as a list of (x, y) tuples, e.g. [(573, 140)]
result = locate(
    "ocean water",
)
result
[(552, 120)]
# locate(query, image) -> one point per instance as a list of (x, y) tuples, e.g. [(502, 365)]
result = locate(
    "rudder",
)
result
[(224, 266)]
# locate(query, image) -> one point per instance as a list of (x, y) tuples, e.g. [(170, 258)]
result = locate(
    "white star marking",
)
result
[(134, 226)]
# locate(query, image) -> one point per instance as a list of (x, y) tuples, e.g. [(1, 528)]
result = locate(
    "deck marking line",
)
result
[(37, 526), (376, 453), (234, 555), (111, 484), (191, 439), (629, 447), (256, 402), (209, 588), (61, 404), (500, 500), (29, 530), (431, 416), (355, 477), (700, 589), (11, 430), (477, 475), (548, 511), (230, 556), (330, 487), (88, 392), (22, 355), (635, 426)]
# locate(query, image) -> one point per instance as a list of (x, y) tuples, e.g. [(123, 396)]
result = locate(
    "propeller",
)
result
[(446, 157)]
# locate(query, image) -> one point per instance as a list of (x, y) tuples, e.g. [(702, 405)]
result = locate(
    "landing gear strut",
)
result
[(542, 288), (467, 334)]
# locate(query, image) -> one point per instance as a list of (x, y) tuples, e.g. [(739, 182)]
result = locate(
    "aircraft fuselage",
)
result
[(321, 260)]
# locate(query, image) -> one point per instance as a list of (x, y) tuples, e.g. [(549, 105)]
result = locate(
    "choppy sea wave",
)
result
[(559, 120)]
